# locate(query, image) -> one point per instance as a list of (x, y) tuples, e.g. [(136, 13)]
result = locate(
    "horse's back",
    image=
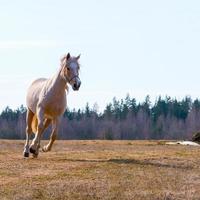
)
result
[(34, 92)]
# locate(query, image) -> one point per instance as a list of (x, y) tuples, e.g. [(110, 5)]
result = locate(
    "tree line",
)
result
[(166, 118)]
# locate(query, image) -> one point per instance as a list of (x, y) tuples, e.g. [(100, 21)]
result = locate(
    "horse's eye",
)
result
[(68, 68)]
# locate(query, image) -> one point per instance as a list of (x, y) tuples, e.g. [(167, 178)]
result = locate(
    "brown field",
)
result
[(101, 170)]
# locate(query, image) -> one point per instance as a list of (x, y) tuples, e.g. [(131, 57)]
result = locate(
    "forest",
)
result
[(124, 119)]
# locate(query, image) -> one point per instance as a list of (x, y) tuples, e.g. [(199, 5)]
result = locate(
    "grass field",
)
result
[(101, 170)]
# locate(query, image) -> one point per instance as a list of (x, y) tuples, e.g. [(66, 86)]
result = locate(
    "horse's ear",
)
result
[(68, 56), (78, 56)]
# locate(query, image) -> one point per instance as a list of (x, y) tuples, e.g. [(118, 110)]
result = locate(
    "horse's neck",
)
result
[(57, 84)]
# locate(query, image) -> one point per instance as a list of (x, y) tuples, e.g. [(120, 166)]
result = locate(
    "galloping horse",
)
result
[(46, 102)]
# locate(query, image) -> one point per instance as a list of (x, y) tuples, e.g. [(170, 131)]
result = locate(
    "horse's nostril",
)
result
[(76, 86)]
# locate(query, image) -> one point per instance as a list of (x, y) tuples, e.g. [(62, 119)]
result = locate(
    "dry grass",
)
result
[(101, 170)]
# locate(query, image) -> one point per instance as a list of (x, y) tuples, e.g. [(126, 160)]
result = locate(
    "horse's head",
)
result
[(71, 70)]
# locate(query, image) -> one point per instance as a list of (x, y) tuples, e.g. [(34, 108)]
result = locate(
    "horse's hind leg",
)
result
[(53, 136), (34, 149), (35, 145), (29, 117)]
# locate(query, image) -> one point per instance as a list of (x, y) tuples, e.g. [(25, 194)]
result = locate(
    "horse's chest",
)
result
[(55, 107)]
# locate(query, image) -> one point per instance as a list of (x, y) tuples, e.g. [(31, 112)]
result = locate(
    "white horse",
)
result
[(46, 102)]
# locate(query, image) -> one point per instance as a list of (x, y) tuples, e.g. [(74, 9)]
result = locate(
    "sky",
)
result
[(136, 47)]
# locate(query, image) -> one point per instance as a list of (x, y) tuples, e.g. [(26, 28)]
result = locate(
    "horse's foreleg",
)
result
[(26, 147), (35, 145), (53, 136), (29, 117)]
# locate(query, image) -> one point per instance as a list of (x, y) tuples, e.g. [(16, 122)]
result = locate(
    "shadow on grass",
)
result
[(132, 161), (148, 162)]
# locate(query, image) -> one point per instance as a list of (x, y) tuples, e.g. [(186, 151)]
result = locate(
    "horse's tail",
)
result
[(34, 124)]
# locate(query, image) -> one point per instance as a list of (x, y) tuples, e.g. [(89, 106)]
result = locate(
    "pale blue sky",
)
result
[(136, 47)]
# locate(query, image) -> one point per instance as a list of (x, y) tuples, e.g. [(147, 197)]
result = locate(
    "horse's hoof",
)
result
[(35, 155), (33, 151), (44, 149), (26, 154)]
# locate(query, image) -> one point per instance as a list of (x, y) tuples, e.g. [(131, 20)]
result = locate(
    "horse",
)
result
[(46, 102)]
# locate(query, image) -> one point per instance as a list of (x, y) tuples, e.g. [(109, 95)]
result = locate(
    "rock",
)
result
[(183, 143)]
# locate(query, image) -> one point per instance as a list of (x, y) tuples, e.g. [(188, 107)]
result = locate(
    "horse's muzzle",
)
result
[(76, 86)]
